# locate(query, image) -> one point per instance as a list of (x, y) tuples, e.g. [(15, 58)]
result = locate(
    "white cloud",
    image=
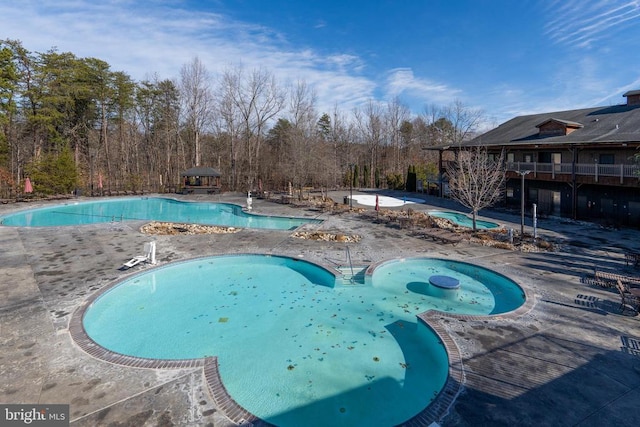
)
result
[(320, 24), (581, 24), (159, 39), (402, 82)]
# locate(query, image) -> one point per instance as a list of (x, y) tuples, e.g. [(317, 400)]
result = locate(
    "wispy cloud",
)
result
[(162, 37), (402, 82), (582, 24), (320, 24), (617, 99)]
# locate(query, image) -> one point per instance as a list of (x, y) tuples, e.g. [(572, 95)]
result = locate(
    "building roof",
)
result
[(632, 92), (600, 125), (200, 171)]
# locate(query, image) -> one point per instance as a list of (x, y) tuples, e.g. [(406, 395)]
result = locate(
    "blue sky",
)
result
[(504, 57)]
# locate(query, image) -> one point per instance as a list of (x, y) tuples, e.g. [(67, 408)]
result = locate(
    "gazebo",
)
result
[(200, 179)]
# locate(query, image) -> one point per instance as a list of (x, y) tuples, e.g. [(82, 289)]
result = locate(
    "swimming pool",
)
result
[(463, 220), (294, 345), (149, 208)]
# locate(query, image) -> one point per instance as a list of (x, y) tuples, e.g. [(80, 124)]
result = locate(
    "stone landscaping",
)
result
[(170, 228)]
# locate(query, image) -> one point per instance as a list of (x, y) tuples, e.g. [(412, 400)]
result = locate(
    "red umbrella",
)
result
[(377, 203), (27, 186)]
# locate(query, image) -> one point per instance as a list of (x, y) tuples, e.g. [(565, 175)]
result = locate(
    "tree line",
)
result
[(71, 123)]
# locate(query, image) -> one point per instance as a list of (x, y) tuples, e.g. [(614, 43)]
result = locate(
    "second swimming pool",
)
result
[(463, 220), (295, 346)]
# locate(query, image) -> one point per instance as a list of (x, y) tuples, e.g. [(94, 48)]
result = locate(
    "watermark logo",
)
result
[(34, 415)]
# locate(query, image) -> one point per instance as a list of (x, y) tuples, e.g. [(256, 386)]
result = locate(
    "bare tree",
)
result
[(370, 125), (397, 113), (304, 158), (195, 85), (229, 120), (255, 100), (452, 124), (337, 131), (464, 121), (476, 180), (302, 107)]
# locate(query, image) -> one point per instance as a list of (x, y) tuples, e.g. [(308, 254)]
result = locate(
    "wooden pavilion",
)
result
[(200, 180)]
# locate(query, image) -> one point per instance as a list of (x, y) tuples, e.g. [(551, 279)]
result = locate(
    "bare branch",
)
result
[(476, 180)]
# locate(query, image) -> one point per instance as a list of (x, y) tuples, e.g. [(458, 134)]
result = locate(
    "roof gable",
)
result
[(566, 123), (554, 127), (633, 97)]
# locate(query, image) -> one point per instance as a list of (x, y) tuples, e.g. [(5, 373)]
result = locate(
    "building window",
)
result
[(548, 157), (606, 159), (511, 158)]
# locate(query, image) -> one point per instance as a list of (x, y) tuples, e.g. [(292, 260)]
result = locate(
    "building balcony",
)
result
[(612, 174)]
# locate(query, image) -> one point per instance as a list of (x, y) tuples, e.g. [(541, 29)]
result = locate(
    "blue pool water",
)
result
[(463, 220), (295, 346), (149, 208)]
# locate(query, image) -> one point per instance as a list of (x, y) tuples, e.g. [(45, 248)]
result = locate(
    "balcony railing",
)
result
[(585, 169)]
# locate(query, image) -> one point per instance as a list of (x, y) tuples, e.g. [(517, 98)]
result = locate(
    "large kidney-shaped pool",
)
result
[(149, 208), (295, 345)]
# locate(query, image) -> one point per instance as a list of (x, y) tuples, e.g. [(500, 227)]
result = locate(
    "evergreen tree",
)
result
[(365, 176), (356, 178), (411, 182), (324, 127), (54, 173), (8, 107)]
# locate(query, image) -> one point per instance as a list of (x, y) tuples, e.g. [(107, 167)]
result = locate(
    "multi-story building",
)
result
[(583, 164)]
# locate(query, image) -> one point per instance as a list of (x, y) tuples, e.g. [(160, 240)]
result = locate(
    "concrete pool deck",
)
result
[(573, 359)]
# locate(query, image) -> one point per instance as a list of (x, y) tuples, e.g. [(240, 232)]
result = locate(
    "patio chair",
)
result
[(627, 298), (133, 262), (149, 256)]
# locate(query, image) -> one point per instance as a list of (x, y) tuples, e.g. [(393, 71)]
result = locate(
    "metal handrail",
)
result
[(350, 263)]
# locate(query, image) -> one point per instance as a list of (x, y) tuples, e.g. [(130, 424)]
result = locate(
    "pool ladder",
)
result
[(352, 275)]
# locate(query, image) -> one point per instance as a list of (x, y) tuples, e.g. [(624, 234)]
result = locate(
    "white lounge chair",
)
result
[(133, 262), (149, 256)]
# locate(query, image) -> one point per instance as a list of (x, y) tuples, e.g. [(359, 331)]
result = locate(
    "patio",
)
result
[(573, 359)]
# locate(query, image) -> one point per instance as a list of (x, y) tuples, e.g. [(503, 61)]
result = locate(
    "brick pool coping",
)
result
[(434, 412)]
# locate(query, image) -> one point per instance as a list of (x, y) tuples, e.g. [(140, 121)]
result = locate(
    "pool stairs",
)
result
[(353, 274)]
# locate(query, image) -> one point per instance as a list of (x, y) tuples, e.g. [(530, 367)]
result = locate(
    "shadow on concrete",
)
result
[(564, 381), (591, 304)]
